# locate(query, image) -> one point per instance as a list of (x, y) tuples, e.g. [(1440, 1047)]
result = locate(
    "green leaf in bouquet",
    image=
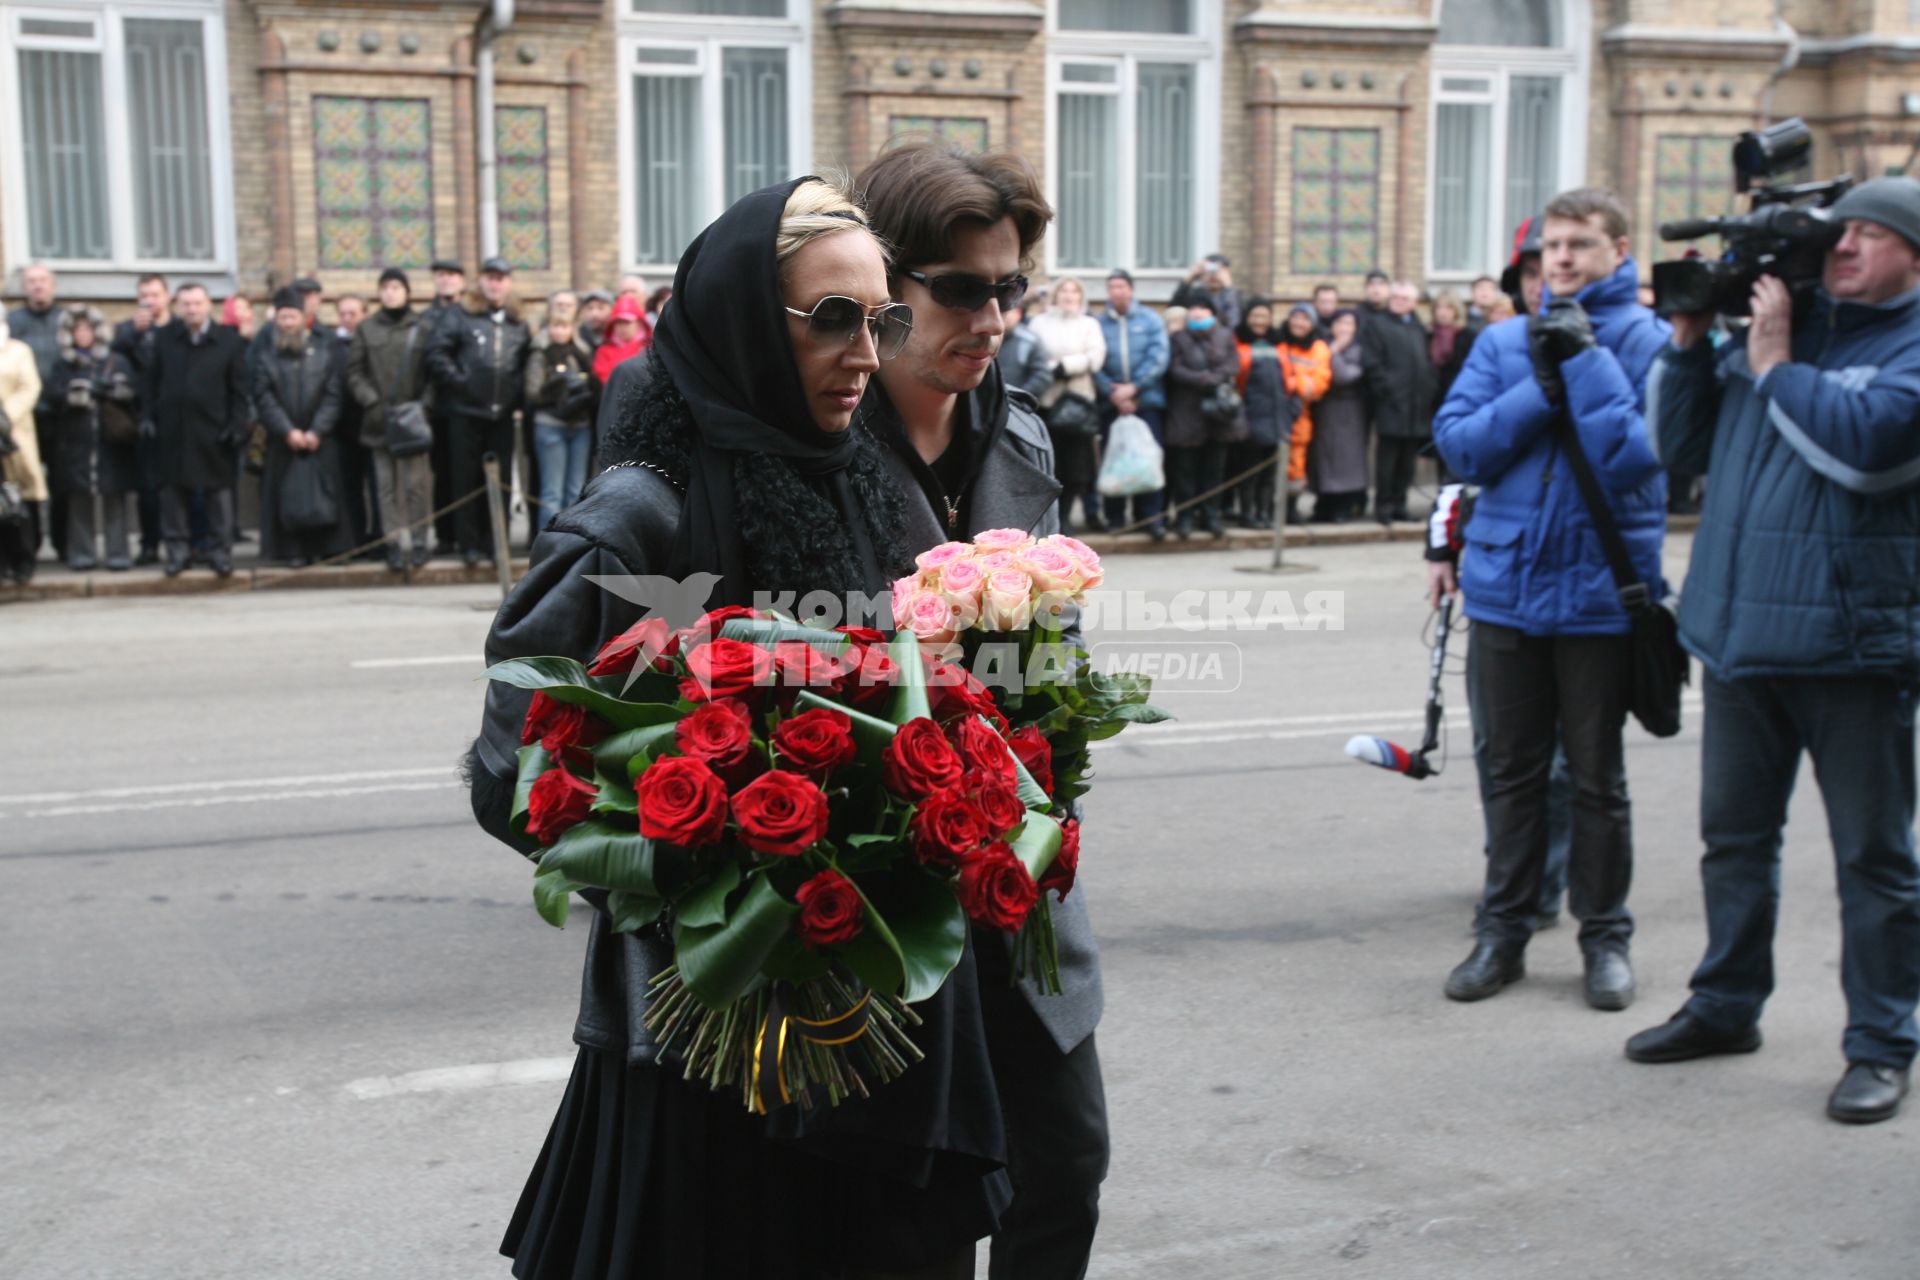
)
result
[(616, 753), (605, 856), (793, 961), (1037, 843), (721, 963), (1102, 729), (771, 631), (616, 794), (909, 700), (534, 761), (553, 895), (565, 680), (633, 911), (1138, 713), (871, 837), (916, 933), (706, 903)]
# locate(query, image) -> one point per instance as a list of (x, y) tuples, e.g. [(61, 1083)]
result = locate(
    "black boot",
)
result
[(1491, 966), (1609, 979)]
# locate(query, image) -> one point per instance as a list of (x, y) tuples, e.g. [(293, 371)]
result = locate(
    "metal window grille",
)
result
[(1161, 17), (1164, 179), (1512, 23), (172, 164), (1089, 179), (668, 172), (65, 153), (1533, 146), (1462, 185), (753, 85)]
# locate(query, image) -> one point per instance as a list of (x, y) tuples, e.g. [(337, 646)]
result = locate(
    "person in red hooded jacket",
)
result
[(628, 334)]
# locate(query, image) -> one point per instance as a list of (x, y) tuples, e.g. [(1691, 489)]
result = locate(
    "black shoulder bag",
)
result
[(1660, 665), (409, 433)]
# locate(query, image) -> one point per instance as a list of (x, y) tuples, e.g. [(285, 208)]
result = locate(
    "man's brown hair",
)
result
[(916, 196), (1583, 202)]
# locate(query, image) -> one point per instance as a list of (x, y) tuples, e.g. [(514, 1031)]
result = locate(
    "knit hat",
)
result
[(1120, 273), (287, 297), (395, 273), (1894, 203)]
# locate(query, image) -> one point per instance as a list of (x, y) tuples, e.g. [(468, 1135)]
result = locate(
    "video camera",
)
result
[(1786, 234)]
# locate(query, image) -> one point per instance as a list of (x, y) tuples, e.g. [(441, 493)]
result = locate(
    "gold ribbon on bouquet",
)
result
[(769, 1085)]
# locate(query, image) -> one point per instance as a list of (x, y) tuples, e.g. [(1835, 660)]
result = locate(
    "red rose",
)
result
[(725, 669), (918, 762), (947, 826), (647, 643), (1036, 755), (801, 666), (815, 742), (781, 813), (557, 800), (831, 911), (682, 802), (995, 888), (709, 623), (1066, 864), (862, 635), (983, 753), (721, 733), (565, 729), (869, 677), (1000, 805)]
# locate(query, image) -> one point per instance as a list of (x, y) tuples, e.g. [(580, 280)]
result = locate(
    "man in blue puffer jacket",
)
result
[(1803, 604), (1550, 644)]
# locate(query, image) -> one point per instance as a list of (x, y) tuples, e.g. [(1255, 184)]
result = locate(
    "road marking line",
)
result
[(223, 784), (479, 1075), (444, 660), (202, 802)]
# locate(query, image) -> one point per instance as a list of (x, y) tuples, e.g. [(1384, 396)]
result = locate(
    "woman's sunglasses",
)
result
[(837, 320), (970, 293)]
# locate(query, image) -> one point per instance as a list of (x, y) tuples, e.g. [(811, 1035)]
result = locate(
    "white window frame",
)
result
[(1127, 50), (1499, 65), (707, 37), (109, 40)]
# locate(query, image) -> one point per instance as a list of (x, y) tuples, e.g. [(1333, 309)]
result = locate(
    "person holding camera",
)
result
[(97, 426), (1551, 641), (1801, 605), (387, 378), (1211, 282)]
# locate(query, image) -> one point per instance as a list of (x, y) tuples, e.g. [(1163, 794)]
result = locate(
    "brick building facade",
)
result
[(243, 142)]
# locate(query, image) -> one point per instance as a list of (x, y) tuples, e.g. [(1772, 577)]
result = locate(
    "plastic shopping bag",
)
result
[(1135, 462)]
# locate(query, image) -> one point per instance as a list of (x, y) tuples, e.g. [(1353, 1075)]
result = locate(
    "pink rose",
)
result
[(941, 556), (1001, 539), (961, 583), (994, 561), (1052, 568), (1007, 604), (1092, 574), (929, 616)]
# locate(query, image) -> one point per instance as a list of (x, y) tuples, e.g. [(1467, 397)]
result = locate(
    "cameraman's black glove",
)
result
[(1559, 333)]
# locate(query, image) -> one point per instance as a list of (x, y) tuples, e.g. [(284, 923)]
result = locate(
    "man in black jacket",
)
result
[(195, 402), (449, 286), (1400, 385), (970, 455), (477, 359), (133, 339)]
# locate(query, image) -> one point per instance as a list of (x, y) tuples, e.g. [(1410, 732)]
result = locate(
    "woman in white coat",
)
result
[(1077, 347), (19, 391)]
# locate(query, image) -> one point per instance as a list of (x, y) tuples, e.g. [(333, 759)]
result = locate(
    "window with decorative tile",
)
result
[(373, 181), (1692, 178), (520, 141), (1336, 201)]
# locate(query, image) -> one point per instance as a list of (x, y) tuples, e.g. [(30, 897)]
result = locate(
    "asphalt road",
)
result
[(273, 1007)]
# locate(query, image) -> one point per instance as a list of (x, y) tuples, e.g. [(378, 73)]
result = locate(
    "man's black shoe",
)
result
[(396, 562), (174, 566), (1609, 980), (1869, 1092), (223, 566), (1157, 531), (1684, 1036), (469, 558), (299, 562), (1491, 966)]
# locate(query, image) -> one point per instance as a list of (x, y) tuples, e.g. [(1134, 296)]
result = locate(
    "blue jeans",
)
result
[(563, 466), (1859, 731)]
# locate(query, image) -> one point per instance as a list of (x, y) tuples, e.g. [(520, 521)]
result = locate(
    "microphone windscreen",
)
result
[(1379, 752)]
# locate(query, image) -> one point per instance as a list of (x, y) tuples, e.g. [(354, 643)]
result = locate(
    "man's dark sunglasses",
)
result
[(835, 319), (969, 292)]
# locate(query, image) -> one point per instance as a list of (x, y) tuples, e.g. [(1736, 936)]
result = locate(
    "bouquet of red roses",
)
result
[(810, 819)]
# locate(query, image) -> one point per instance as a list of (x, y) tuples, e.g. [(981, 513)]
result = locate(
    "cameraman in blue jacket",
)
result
[(1803, 604), (1550, 643)]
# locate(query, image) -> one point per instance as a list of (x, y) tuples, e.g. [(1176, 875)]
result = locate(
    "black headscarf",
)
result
[(725, 343)]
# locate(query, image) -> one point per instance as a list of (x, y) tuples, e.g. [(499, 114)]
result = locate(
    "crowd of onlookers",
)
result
[(1342, 392), (367, 431)]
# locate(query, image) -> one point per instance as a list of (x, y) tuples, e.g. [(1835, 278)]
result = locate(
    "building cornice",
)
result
[(1883, 48), (1722, 44), (1322, 29)]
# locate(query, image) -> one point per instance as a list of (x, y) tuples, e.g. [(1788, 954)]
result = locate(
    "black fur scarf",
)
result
[(793, 534)]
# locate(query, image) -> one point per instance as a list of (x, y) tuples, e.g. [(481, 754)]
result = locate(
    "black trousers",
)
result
[(1055, 1108), (470, 440), (1193, 470), (1531, 686), (176, 520), (1393, 459)]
